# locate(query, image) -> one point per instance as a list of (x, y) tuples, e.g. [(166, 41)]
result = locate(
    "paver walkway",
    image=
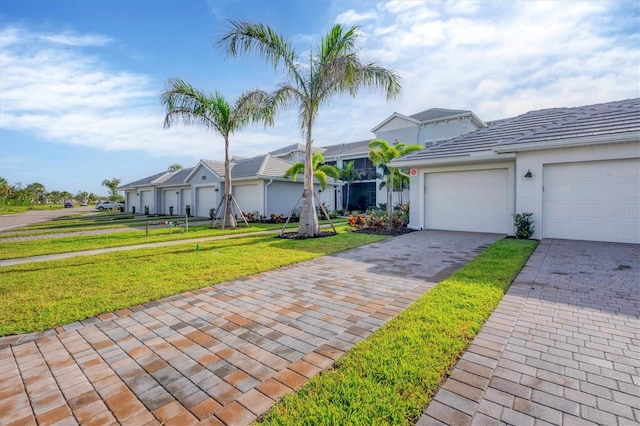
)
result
[(562, 347), (223, 354)]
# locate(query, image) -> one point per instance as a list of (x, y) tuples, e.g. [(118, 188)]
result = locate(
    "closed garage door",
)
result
[(146, 201), (205, 200), (598, 201), (170, 199), (247, 198), (474, 200)]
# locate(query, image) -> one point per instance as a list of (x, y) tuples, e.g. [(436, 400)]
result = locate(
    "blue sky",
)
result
[(80, 81)]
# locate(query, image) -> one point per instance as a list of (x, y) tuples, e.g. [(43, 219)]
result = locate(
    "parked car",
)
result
[(102, 205), (83, 204), (68, 205)]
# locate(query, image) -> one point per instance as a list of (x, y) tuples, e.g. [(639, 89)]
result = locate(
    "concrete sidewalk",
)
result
[(223, 354)]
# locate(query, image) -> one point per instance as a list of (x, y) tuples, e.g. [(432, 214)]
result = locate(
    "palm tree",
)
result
[(333, 69), (37, 192), (349, 174), (321, 171), (211, 110), (5, 190), (112, 184), (381, 153)]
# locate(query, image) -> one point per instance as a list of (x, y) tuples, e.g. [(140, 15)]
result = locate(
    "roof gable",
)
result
[(398, 121)]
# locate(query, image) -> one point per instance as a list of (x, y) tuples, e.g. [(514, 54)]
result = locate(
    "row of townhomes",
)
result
[(576, 169)]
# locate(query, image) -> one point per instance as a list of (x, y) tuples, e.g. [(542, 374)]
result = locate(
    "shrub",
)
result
[(524, 225), (170, 210), (187, 210), (146, 210), (212, 213)]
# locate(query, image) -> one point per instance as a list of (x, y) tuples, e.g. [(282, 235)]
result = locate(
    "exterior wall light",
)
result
[(529, 174)]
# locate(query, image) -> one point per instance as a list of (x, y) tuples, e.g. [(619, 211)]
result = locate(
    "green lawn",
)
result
[(43, 295), (390, 377), (53, 245)]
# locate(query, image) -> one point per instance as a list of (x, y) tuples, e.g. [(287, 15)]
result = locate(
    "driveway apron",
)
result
[(222, 354), (562, 347)]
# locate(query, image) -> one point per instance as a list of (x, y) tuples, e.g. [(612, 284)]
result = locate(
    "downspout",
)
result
[(266, 194)]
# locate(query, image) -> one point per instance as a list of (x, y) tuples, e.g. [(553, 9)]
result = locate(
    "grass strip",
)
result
[(63, 244), (39, 296), (390, 377)]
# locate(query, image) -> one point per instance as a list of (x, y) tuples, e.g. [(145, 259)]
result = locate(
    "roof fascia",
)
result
[(485, 157), (569, 143)]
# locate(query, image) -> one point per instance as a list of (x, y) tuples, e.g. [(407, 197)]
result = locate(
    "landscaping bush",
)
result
[(524, 225)]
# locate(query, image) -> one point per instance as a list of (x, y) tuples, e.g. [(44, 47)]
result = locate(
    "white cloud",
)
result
[(501, 59), (351, 17)]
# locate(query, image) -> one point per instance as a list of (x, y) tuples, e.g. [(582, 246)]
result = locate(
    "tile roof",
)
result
[(178, 177), (149, 180), (437, 113), (548, 125), (345, 149)]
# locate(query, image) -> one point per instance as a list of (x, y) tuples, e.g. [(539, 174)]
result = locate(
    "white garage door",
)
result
[(146, 200), (170, 198), (247, 198), (185, 199), (205, 200), (598, 201), (474, 200)]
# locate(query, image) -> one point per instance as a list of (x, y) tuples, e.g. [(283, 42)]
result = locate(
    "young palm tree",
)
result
[(112, 184), (211, 110), (321, 171), (333, 69), (348, 174), (381, 153)]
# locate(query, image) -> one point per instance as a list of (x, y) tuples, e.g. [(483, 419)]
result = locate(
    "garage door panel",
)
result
[(597, 201), (475, 200), (205, 200)]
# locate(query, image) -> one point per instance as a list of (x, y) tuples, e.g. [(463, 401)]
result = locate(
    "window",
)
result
[(365, 167), (204, 177)]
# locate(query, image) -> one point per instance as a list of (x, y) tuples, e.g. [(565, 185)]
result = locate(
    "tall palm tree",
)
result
[(349, 174), (321, 171), (212, 111), (381, 153), (332, 69)]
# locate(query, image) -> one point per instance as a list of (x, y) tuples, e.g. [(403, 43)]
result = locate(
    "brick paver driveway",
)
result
[(562, 348), (223, 354)]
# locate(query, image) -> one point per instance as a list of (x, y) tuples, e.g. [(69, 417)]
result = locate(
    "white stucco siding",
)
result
[(532, 192), (248, 196)]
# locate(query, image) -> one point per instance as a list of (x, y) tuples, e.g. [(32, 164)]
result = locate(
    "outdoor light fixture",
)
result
[(528, 174), (177, 192), (137, 193)]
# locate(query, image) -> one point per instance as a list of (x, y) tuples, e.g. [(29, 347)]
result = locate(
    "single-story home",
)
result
[(576, 169), (258, 186)]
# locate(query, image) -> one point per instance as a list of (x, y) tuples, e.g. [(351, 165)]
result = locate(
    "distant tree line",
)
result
[(36, 194)]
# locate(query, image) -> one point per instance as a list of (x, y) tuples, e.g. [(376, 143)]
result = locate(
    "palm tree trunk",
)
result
[(228, 219), (309, 224)]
